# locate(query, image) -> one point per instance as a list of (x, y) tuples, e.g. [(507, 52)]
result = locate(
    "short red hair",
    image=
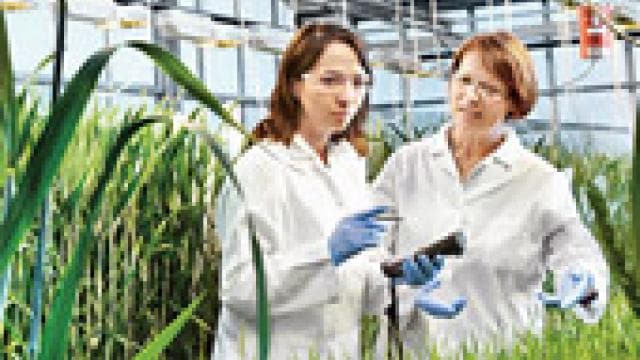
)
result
[(507, 58)]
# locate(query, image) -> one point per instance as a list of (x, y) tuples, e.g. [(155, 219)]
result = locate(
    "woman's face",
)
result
[(333, 90), (477, 98)]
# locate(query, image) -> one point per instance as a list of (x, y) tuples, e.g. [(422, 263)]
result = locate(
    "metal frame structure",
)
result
[(409, 36)]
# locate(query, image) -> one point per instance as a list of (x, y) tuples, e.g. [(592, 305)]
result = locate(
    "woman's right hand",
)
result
[(425, 302), (355, 233)]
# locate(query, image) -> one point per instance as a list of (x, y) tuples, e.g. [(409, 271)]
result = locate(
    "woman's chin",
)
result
[(472, 121)]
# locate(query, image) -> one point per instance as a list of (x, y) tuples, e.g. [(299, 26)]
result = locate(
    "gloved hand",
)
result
[(419, 272), (574, 288), (425, 303), (355, 233)]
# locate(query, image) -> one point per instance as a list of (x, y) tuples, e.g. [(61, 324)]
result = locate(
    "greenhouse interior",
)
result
[(121, 120)]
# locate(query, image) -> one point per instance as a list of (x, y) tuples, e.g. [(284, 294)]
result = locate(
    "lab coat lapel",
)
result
[(441, 156), (501, 166), (301, 156), (304, 159)]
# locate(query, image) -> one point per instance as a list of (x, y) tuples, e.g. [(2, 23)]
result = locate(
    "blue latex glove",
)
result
[(425, 303), (355, 233), (419, 272), (574, 286)]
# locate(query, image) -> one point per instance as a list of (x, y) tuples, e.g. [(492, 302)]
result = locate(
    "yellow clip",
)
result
[(132, 24), (16, 5)]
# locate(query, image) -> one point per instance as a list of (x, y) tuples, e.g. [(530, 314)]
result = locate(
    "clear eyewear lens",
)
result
[(481, 89), (335, 82)]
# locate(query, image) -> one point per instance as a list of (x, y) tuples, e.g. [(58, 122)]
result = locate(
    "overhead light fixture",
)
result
[(269, 39), (132, 16), (101, 13), (405, 65), (106, 14), (16, 5), (219, 43), (200, 30)]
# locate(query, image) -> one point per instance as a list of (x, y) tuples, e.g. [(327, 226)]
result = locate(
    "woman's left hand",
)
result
[(419, 272), (575, 288), (435, 308)]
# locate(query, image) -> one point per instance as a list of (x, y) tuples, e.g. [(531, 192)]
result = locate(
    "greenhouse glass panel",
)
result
[(43, 93), (221, 70), (31, 38), (285, 15), (503, 20), (375, 25), (83, 39), (130, 66), (520, 7), (562, 15), (223, 7), (573, 71), (385, 115), (427, 88), (429, 118), (386, 87), (188, 55), (610, 143), (259, 74), (257, 10), (187, 3), (461, 28), (541, 110), (253, 115), (540, 63), (602, 108), (453, 14)]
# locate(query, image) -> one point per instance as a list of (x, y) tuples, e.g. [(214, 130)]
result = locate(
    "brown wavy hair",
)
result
[(302, 53), (506, 57)]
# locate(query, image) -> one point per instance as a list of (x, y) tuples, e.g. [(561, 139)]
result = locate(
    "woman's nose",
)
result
[(470, 95), (346, 95)]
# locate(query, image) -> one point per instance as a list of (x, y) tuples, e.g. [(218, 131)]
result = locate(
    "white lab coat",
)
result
[(296, 202), (519, 217)]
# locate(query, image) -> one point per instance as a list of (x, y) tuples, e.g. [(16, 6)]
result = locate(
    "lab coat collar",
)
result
[(301, 149), (508, 152), (500, 167), (299, 154), (304, 151), (505, 155)]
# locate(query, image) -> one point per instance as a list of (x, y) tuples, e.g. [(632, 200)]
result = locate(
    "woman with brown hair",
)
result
[(304, 173), (516, 210)]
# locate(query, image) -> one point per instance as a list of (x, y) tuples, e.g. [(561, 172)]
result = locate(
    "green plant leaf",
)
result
[(55, 334), (183, 76), (264, 335), (26, 132), (635, 210), (46, 157), (7, 95), (7, 92), (154, 348)]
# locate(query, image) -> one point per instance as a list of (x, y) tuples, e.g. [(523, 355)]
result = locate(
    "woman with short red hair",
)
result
[(516, 210)]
